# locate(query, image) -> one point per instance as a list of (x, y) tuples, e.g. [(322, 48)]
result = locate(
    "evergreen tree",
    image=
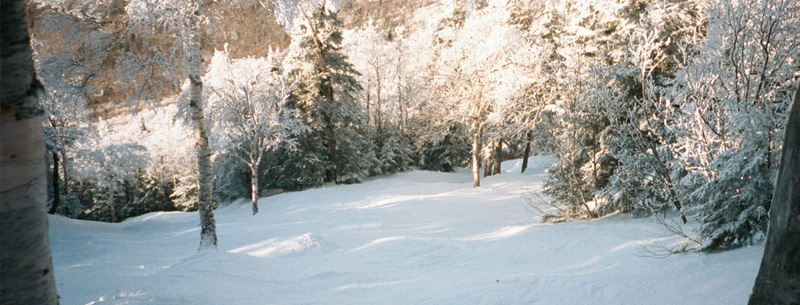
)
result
[(335, 149), (589, 40), (734, 97)]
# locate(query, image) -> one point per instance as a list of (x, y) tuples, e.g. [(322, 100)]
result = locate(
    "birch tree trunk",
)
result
[(487, 168), (254, 187), (778, 280), (497, 157), (208, 230), (476, 155), (26, 273), (194, 68)]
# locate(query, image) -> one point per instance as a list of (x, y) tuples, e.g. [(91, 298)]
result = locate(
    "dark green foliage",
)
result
[(395, 153), (142, 194), (336, 145), (733, 206), (445, 150), (231, 179)]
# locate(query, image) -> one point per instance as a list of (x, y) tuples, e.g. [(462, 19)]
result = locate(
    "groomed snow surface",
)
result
[(412, 238)]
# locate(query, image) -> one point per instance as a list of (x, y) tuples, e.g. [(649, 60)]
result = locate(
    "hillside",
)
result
[(412, 238), (248, 29)]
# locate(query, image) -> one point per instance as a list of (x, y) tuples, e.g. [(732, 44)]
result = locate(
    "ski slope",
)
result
[(412, 238)]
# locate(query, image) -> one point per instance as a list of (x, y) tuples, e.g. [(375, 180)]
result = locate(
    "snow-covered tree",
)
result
[(577, 129), (109, 163), (638, 137), (66, 121), (183, 19), (587, 70), (131, 165), (69, 53), (335, 149), (733, 95), (482, 67), (385, 92), (248, 100)]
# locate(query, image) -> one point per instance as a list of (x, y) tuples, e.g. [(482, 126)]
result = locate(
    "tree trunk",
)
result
[(26, 276), (112, 205), (369, 99), (208, 230), (327, 92), (476, 155), (379, 109), (56, 188), (778, 280), (254, 187), (497, 157), (401, 123), (527, 153), (487, 168)]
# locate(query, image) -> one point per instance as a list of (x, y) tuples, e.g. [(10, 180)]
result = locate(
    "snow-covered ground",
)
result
[(412, 238)]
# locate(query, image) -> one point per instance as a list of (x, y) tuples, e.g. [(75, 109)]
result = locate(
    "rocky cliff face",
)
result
[(247, 31), (385, 14)]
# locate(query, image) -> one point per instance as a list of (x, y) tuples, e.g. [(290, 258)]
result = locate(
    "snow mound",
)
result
[(504, 232), (276, 247)]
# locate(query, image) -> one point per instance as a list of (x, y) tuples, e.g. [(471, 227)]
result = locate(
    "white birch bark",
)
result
[(254, 187), (476, 155), (208, 231), (26, 265)]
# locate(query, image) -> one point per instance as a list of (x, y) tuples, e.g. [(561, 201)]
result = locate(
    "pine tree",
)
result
[(335, 149)]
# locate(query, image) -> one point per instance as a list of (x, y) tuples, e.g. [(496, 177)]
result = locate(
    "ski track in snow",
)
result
[(411, 238)]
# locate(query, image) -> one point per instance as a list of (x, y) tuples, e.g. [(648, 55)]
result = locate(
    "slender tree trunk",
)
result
[(487, 168), (56, 188), (327, 92), (379, 108), (497, 157), (369, 99), (65, 172), (476, 155), (26, 265), (112, 206), (527, 153), (402, 121), (778, 280), (254, 187), (208, 227)]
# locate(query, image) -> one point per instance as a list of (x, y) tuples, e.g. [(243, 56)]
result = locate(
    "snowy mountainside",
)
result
[(412, 238)]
